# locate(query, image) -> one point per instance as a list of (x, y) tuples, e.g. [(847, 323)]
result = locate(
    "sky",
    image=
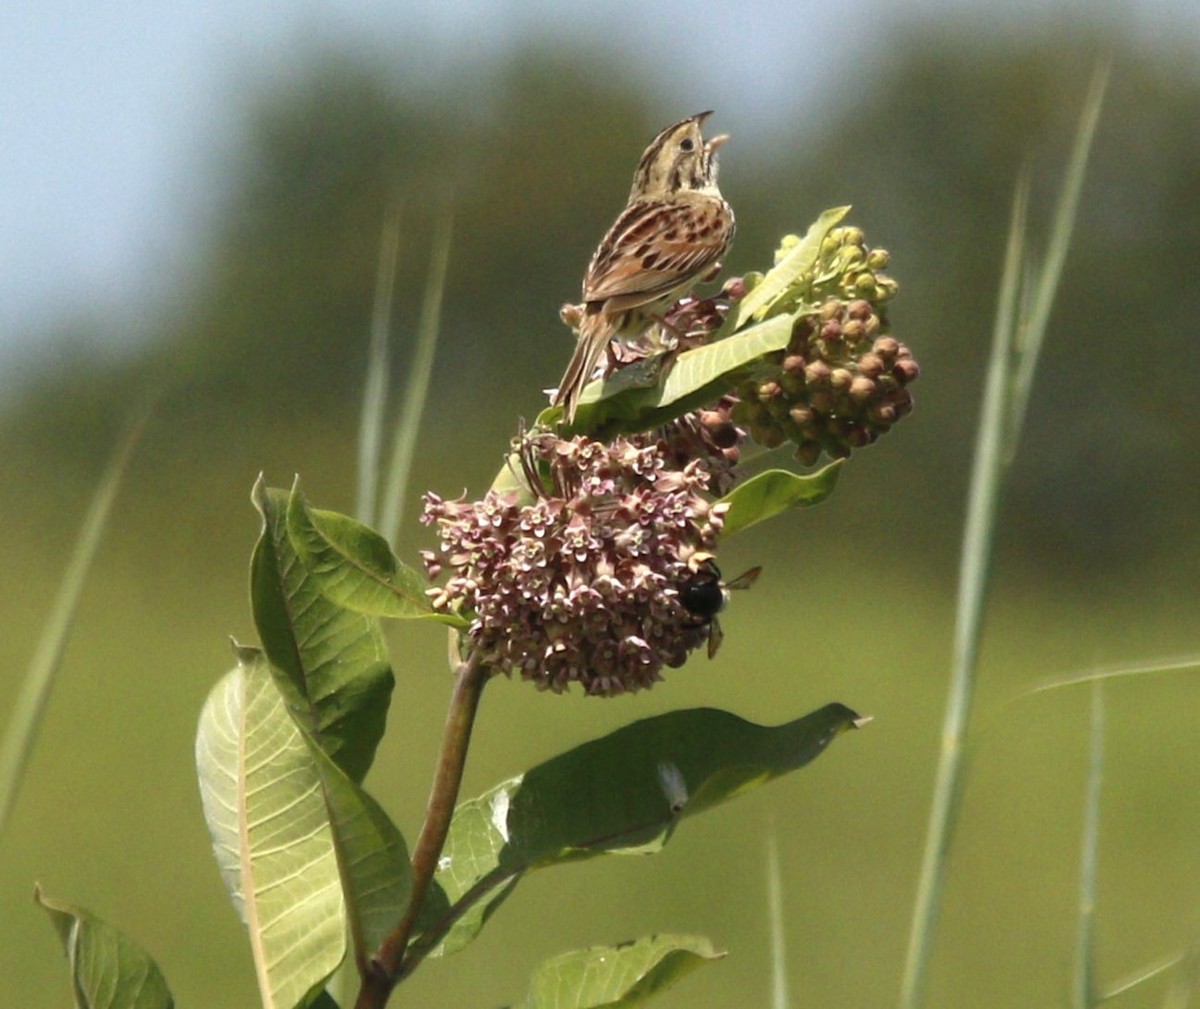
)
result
[(109, 112)]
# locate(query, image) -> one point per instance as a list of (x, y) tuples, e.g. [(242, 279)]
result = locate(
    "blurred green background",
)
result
[(261, 346)]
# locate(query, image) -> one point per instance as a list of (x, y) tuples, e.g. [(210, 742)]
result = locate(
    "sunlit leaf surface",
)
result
[(616, 976), (263, 801), (354, 566), (333, 662), (371, 853), (108, 969), (775, 491), (624, 792)]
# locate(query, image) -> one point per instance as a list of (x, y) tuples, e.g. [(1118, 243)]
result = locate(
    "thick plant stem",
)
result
[(386, 968)]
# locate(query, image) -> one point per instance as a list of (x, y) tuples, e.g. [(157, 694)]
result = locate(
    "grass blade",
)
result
[(417, 388), (779, 983), (375, 389), (1184, 664), (1017, 338), (1185, 980), (972, 585), (1032, 333), (1140, 976), (26, 716), (1083, 987)]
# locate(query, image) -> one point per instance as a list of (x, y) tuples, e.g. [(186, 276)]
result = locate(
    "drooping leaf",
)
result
[(354, 566), (108, 969), (774, 491), (624, 792), (332, 662), (263, 801), (616, 977), (371, 853)]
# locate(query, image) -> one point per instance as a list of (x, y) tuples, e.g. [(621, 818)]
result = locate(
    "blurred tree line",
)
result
[(270, 333)]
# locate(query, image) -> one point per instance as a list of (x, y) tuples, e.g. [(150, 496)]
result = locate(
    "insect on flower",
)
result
[(704, 594)]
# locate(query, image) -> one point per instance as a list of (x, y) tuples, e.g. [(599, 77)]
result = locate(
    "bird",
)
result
[(671, 235)]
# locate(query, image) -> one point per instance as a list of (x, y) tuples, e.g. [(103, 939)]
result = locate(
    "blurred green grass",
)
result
[(1097, 560), (110, 812)]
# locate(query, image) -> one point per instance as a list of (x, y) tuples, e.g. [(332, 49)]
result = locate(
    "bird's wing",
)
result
[(655, 247)]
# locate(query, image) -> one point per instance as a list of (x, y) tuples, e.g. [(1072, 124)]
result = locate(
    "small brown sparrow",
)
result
[(670, 236)]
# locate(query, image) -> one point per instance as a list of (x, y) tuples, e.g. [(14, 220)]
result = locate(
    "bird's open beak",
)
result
[(716, 142)]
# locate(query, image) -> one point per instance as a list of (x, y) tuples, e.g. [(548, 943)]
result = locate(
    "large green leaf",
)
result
[(616, 977), (372, 857), (108, 969), (333, 662), (774, 491), (621, 793), (354, 566), (635, 400), (262, 797)]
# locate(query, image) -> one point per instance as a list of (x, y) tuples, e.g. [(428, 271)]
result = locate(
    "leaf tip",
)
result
[(258, 493), (245, 655)]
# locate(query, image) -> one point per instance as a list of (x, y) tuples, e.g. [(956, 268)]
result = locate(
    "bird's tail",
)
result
[(595, 330)]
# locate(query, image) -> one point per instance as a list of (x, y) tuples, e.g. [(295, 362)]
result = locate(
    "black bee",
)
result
[(704, 594)]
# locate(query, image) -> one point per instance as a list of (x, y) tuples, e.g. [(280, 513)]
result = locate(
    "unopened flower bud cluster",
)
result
[(842, 381), (581, 584), (853, 270)]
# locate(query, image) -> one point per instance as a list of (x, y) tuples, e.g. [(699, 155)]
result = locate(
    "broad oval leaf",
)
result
[(354, 566), (333, 662), (108, 969), (624, 792), (615, 977), (263, 801), (774, 491), (371, 853)]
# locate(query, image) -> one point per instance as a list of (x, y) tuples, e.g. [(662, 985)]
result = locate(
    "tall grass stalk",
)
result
[(1032, 332), (416, 389), (375, 389), (1083, 988), (26, 716), (779, 983), (1018, 335)]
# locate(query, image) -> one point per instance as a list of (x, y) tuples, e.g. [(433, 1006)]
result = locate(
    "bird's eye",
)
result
[(687, 144)]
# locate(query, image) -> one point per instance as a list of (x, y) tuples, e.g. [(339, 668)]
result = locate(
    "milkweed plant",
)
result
[(592, 564)]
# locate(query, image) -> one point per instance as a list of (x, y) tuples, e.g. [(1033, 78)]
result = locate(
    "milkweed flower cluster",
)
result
[(576, 577)]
